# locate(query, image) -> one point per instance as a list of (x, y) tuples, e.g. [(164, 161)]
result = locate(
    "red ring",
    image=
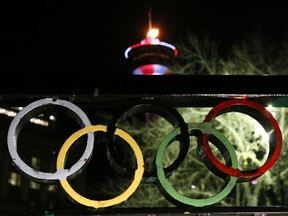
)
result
[(274, 148)]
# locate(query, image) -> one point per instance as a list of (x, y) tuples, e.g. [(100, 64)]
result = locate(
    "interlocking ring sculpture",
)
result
[(204, 132)]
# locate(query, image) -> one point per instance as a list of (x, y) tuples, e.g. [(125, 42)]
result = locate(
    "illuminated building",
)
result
[(150, 56)]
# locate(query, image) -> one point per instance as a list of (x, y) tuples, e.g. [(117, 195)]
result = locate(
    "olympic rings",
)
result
[(104, 203), (30, 111), (265, 118), (181, 132), (171, 115), (224, 146)]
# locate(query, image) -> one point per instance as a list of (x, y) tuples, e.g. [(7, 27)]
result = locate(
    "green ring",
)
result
[(169, 192)]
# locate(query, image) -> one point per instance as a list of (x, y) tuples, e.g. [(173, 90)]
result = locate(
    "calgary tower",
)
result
[(150, 56)]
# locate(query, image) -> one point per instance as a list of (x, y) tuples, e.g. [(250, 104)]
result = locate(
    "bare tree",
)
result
[(201, 55)]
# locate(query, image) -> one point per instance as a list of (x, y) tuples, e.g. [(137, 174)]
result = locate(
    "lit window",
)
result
[(15, 179)]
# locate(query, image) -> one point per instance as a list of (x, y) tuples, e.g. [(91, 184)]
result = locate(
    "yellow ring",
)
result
[(101, 203)]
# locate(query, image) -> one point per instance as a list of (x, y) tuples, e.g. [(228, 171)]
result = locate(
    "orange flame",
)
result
[(153, 33)]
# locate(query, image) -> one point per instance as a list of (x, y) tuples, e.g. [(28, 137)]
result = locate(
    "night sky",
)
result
[(88, 38)]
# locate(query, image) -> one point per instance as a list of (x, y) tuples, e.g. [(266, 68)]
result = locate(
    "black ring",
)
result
[(171, 115)]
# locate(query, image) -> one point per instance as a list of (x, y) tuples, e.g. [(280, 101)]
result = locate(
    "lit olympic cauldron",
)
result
[(150, 56)]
